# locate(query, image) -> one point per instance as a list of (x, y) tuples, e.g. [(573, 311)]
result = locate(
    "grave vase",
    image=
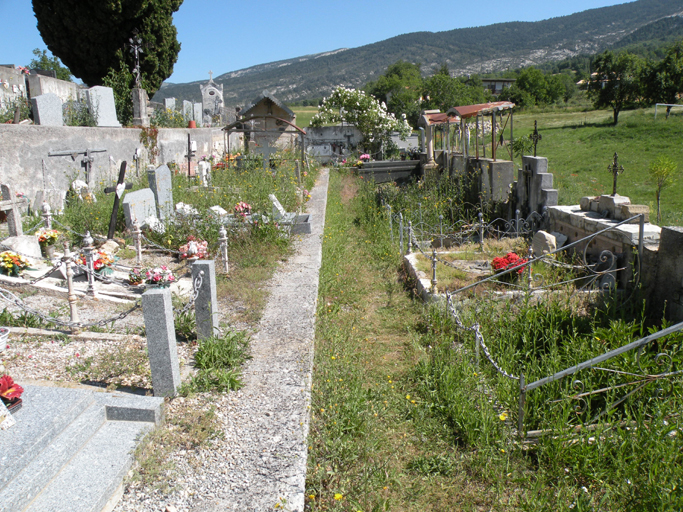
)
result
[(47, 250)]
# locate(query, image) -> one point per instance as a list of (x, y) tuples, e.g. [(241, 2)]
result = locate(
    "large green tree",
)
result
[(615, 82), (42, 61), (91, 37), (663, 80), (441, 91), (400, 88)]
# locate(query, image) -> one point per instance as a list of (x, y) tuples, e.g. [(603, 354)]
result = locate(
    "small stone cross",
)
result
[(10, 205), (210, 75), (616, 170), (535, 136)]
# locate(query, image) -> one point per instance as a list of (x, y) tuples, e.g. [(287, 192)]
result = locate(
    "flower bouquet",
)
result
[(194, 248), (364, 157), (12, 264), (136, 276), (101, 264), (242, 209), (10, 393), (160, 276), (510, 260), (48, 236)]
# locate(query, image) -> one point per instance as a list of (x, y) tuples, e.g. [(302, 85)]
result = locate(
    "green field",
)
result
[(304, 115), (580, 145)]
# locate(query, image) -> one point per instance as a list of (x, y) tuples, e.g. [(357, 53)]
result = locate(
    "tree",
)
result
[(42, 61), (91, 37), (400, 89), (444, 92), (615, 82), (364, 112), (662, 170), (663, 80)]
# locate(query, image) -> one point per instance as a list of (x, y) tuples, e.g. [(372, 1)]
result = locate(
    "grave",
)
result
[(535, 186), (141, 206), (197, 114), (300, 223), (47, 110), (204, 173), (169, 103), (161, 183), (11, 206), (188, 111), (54, 197), (140, 101), (101, 101), (157, 309)]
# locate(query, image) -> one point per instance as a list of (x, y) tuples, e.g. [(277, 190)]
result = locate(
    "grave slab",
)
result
[(47, 110), (139, 205), (101, 100), (161, 183)]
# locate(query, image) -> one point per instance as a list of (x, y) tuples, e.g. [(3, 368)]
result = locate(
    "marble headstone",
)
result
[(139, 205), (47, 110), (161, 183), (101, 102)]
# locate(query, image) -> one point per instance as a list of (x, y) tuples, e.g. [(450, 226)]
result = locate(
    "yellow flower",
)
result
[(407, 397), (311, 496), (338, 497), (503, 416)]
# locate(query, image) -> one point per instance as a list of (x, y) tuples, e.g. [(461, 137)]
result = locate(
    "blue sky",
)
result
[(226, 36)]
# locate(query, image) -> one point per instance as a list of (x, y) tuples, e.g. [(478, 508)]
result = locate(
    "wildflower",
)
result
[(503, 416), (338, 497)]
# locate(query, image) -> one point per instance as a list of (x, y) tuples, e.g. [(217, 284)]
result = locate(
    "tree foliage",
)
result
[(662, 170), (533, 87), (364, 112), (42, 61), (663, 80), (400, 88), (615, 82), (441, 91), (90, 37)]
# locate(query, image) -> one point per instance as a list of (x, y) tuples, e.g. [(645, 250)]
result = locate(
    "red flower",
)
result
[(8, 389), (510, 260)]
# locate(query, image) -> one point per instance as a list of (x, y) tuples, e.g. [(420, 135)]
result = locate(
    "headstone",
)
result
[(26, 245), (543, 243), (139, 205), (157, 309), (101, 103), (206, 303), (140, 101), (54, 197), (161, 183), (169, 103), (204, 172), (188, 111), (218, 211), (535, 185), (278, 210), (197, 113), (11, 205), (186, 210), (47, 110)]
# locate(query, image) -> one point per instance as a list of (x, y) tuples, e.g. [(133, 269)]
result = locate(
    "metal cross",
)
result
[(118, 189), (536, 137), (136, 49), (616, 170), (87, 159)]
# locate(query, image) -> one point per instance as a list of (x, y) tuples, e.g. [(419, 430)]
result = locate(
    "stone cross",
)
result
[(10, 205), (616, 170), (535, 136), (119, 188), (87, 159), (210, 75)]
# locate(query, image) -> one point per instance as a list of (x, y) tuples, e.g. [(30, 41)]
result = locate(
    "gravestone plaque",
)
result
[(139, 205), (169, 103), (47, 110), (54, 197), (198, 114), (188, 112), (161, 184), (101, 103), (278, 210)]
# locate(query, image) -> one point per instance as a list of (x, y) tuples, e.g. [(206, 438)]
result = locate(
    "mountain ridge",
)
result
[(467, 50)]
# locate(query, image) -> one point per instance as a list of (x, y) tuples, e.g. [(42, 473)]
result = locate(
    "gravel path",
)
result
[(261, 460)]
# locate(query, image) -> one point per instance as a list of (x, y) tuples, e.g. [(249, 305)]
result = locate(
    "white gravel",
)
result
[(261, 459)]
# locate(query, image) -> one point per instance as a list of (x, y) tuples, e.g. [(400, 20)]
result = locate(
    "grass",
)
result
[(304, 115), (403, 419)]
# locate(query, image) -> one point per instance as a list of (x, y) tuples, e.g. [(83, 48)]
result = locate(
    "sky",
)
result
[(223, 36)]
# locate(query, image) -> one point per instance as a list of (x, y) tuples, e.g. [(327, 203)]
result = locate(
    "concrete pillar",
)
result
[(157, 310)]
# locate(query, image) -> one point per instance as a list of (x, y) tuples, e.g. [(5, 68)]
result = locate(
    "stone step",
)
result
[(94, 474), (45, 413)]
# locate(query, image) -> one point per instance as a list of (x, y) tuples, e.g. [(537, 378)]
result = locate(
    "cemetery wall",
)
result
[(39, 84), (323, 142), (23, 148), (12, 85)]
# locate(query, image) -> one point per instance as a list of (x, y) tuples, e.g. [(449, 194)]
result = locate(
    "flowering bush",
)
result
[(364, 112), (101, 264), (48, 236), (508, 261), (9, 389), (194, 249), (242, 209), (159, 275), (11, 263)]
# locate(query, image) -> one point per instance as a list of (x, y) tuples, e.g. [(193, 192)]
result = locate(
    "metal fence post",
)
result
[(517, 222), (481, 231), (434, 291), (73, 308), (522, 401), (223, 239), (400, 232), (409, 249), (641, 235), (137, 238), (391, 223), (47, 216), (530, 279), (441, 231), (89, 262), (419, 205)]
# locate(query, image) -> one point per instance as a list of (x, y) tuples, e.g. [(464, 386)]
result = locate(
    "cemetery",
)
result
[(260, 317)]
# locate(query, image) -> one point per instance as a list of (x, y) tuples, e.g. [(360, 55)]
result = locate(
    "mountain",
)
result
[(466, 51)]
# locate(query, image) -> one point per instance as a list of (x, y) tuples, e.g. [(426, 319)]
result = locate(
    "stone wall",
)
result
[(667, 292), (12, 86), (324, 142), (24, 147), (39, 84)]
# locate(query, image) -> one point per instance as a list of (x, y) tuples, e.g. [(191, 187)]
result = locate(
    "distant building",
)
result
[(496, 85), (268, 113)]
